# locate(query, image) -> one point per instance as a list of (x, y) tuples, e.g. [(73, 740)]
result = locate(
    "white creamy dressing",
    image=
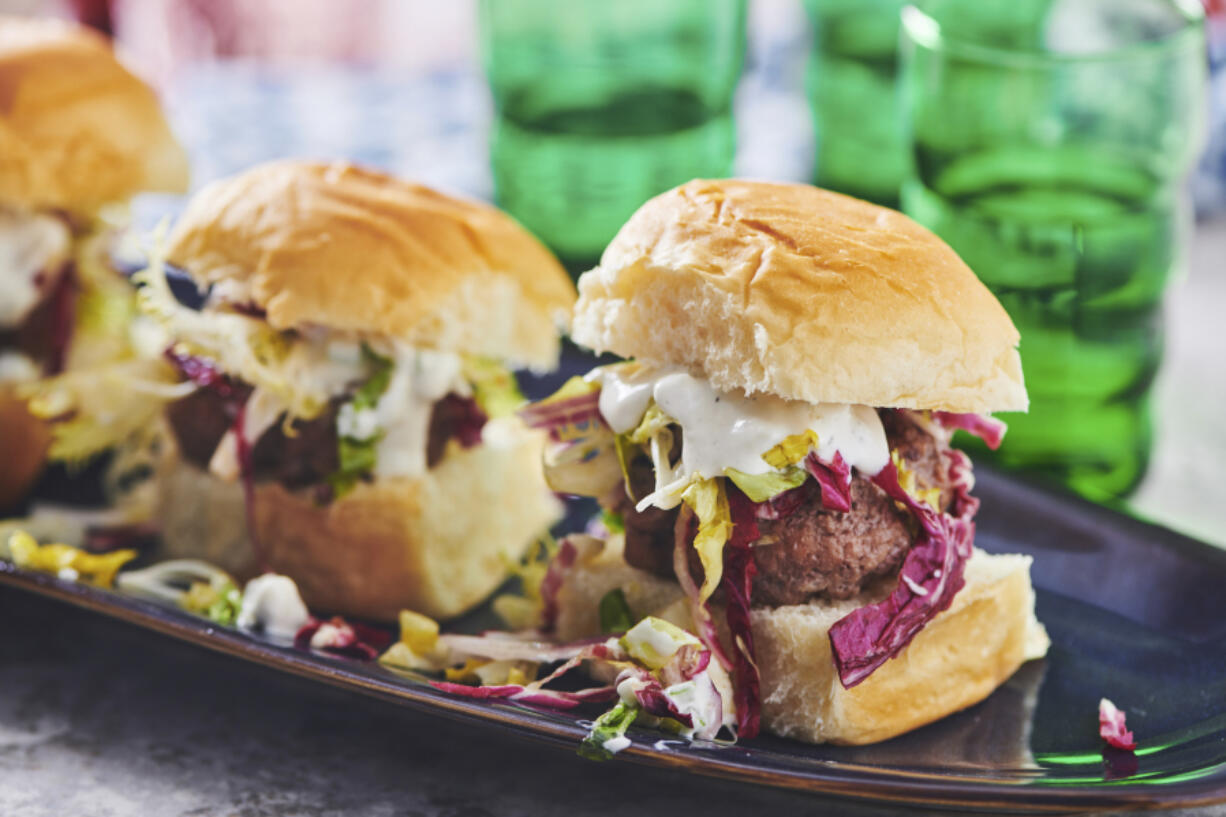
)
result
[(17, 368), (29, 244), (723, 430), (697, 698), (272, 604), (616, 744), (326, 636), (700, 697), (420, 378)]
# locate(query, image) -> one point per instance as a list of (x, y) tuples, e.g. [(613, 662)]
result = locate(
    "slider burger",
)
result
[(79, 136), (352, 423), (774, 464)]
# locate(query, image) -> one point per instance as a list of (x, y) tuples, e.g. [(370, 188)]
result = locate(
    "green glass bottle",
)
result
[(600, 105), (851, 82), (1050, 144)]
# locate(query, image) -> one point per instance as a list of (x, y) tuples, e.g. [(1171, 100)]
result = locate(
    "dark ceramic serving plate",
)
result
[(1136, 613)]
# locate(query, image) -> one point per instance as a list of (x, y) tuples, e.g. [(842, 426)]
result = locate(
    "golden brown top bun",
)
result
[(77, 130), (351, 249), (802, 293)]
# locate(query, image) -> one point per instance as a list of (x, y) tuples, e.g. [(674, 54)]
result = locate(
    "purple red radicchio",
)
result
[(931, 575), (336, 635), (1112, 728), (566, 418), (986, 428), (737, 583), (834, 477)]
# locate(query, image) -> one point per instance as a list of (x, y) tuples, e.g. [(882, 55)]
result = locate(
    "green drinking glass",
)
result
[(851, 82), (1049, 143), (600, 105)]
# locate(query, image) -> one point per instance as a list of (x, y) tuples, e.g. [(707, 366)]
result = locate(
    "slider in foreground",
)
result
[(79, 136), (352, 425), (775, 462)]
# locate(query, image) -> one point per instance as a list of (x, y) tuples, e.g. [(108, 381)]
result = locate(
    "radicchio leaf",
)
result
[(784, 504), (931, 574), (986, 428), (205, 374), (739, 570), (1112, 728), (686, 663), (140, 536), (834, 477), (500, 646), (350, 639), (250, 309), (552, 583), (566, 419), (462, 417), (962, 480), (535, 692), (649, 693), (549, 698)]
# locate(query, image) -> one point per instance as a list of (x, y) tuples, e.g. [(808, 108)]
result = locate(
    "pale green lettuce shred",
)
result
[(784, 458), (653, 423), (653, 641), (115, 381), (494, 387), (245, 347), (707, 499), (97, 409), (761, 487), (607, 730)]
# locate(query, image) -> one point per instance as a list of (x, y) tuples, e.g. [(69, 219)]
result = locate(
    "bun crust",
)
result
[(957, 660), (438, 544), (77, 129), (802, 293), (24, 440), (334, 245)]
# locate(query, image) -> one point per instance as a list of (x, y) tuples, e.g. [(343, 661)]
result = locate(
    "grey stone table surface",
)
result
[(99, 719)]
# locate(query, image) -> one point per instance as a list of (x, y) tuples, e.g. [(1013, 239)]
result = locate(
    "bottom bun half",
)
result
[(23, 448), (438, 544), (957, 660)]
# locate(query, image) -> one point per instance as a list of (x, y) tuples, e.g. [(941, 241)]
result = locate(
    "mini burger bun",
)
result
[(803, 293), (438, 544), (957, 660), (24, 440), (346, 248), (77, 129)]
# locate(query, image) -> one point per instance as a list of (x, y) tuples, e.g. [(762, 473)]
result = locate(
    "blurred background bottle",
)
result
[(851, 82), (600, 105), (1051, 142), (1209, 183)]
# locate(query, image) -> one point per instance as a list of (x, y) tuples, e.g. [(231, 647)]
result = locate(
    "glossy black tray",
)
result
[(1136, 613)]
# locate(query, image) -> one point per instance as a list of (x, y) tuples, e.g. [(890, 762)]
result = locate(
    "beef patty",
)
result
[(810, 552)]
